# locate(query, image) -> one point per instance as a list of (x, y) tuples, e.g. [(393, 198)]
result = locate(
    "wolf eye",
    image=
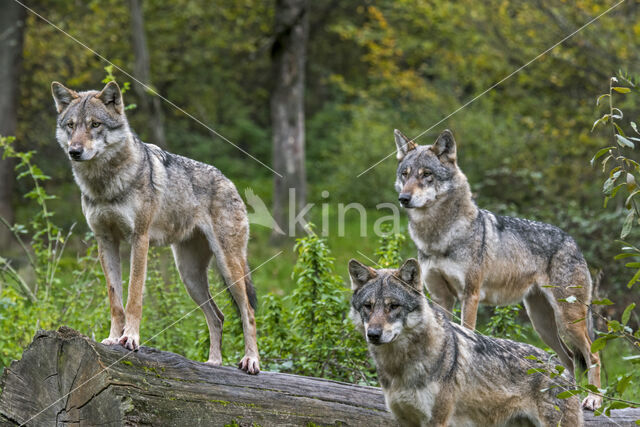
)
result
[(70, 124), (367, 305), (393, 306), (426, 173), (405, 173), (95, 124)]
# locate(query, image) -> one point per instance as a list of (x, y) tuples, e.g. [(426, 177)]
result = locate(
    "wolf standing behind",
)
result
[(434, 372), (478, 257), (138, 193)]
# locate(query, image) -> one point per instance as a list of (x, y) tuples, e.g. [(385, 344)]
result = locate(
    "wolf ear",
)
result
[(403, 144), (360, 274), (445, 145), (409, 274), (111, 97), (62, 96)]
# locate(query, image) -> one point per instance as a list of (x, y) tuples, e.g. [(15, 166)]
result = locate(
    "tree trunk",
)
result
[(149, 103), (65, 378), (289, 53), (12, 23)]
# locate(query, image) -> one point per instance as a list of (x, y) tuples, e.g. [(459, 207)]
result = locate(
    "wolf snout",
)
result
[(374, 334), (404, 199), (75, 152)]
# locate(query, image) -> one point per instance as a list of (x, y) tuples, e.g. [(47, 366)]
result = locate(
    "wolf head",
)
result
[(426, 174), (385, 302), (89, 123)]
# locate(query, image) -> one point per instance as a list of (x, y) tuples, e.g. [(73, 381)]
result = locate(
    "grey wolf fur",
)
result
[(434, 372), (478, 257), (136, 192)]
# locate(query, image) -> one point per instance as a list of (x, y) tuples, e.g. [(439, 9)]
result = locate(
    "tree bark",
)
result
[(65, 378), (150, 104), (289, 54), (12, 24)]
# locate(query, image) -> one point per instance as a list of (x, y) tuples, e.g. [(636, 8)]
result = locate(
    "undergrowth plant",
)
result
[(623, 174), (35, 294)]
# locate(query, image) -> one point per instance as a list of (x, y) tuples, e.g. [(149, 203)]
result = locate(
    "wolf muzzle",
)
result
[(404, 199), (374, 334), (75, 153)]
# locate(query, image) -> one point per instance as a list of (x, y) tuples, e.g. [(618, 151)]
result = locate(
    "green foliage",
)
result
[(37, 295), (504, 323), (390, 246), (315, 336)]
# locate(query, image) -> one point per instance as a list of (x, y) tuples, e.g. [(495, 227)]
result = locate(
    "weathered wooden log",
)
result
[(65, 378)]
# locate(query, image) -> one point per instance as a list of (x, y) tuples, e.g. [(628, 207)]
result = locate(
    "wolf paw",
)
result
[(212, 362), (250, 365), (592, 402), (130, 341), (110, 341)]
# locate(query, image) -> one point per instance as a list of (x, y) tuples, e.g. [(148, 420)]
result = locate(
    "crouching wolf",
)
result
[(136, 192), (478, 257), (434, 372)]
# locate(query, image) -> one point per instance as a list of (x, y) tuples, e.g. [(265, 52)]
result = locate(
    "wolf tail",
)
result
[(583, 364), (251, 290)]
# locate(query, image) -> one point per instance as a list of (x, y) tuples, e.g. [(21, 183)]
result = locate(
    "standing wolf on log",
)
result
[(136, 192), (478, 257)]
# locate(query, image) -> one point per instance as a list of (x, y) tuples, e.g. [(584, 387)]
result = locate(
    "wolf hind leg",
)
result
[(579, 339), (231, 260), (545, 322), (192, 259)]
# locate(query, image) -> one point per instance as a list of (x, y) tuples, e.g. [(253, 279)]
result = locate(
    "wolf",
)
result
[(435, 372), (475, 256), (138, 193)]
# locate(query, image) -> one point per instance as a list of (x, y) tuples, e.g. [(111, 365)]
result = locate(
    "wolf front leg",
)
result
[(139, 248), (471, 299), (109, 254)]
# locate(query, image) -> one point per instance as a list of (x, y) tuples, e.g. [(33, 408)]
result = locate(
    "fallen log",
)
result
[(64, 378)]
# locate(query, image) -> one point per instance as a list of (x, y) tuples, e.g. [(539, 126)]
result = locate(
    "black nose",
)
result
[(75, 152), (374, 334), (404, 198)]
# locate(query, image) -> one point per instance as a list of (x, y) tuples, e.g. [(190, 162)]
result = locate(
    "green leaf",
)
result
[(634, 279), (628, 223), (599, 344), (621, 89), (624, 141), (592, 388), (599, 154), (627, 203), (567, 394), (600, 98), (627, 313), (625, 255), (602, 119), (623, 383), (603, 301)]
